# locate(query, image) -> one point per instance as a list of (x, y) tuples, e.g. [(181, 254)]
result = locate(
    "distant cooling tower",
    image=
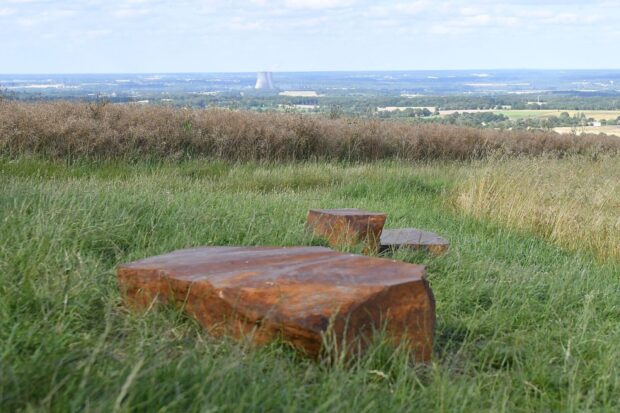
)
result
[(264, 81)]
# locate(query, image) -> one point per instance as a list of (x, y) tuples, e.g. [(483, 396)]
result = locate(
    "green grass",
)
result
[(522, 324)]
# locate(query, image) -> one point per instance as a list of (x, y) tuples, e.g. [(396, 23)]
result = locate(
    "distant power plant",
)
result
[(264, 81)]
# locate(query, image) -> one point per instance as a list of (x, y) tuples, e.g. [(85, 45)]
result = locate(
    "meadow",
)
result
[(528, 297), (608, 130), (546, 113)]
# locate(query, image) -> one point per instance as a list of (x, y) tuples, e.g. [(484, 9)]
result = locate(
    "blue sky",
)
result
[(96, 36)]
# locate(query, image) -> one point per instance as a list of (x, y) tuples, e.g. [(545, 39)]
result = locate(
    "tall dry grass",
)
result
[(67, 130), (572, 202)]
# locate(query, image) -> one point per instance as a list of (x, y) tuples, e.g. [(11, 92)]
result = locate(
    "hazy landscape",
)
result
[(567, 101)]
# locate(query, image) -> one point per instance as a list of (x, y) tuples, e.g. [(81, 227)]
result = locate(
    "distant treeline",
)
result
[(498, 120), (103, 130), (555, 101)]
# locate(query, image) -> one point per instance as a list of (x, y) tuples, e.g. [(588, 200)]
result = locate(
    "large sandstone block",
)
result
[(347, 226), (290, 293), (414, 239)]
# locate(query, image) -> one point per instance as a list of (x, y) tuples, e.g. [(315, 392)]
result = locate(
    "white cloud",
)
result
[(6, 12), (26, 1), (242, 24), (415, 7), (310, 22), (570, 18), (128, 12), (98, 33), (317, 4), (27, 22), (397, 10), (44, 17)]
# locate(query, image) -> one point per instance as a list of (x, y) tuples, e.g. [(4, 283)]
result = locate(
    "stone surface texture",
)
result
[(414, 239), (347, 226), (295, 294)]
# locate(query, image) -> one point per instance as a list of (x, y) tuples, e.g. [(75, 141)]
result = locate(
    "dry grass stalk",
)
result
[(99, 131), (573, 202)]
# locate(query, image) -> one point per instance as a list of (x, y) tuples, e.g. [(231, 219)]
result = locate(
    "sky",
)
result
[(156, 36)]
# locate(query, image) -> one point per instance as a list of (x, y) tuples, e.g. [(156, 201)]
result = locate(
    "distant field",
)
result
[(529, 114), (299, 93), (608, 130), (401, 108), (523, 114)]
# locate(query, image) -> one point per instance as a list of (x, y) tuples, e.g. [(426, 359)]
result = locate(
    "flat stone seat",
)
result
[(347, 226), (295, 294), (414, 239)]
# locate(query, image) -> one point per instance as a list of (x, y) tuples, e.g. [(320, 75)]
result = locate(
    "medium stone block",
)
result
[(347, 226)]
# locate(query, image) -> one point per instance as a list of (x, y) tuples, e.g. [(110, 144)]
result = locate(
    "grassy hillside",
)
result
[(105, 132), (523, 324)]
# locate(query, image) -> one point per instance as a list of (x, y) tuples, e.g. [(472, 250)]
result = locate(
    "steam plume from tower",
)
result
[(264, 81)]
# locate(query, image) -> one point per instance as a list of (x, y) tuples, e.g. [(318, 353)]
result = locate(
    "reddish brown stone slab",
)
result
[(289, 293), (414, 239), (347, 226)]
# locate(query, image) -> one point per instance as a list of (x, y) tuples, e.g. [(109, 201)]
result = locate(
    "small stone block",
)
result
[(295, 294), (347, 226), (414, 239)]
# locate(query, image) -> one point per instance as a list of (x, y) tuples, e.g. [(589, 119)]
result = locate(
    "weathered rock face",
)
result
[(414, 239), (290, 293), (348, 226)]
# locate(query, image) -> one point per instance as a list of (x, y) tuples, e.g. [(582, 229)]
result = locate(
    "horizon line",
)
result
[(311, 71)]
